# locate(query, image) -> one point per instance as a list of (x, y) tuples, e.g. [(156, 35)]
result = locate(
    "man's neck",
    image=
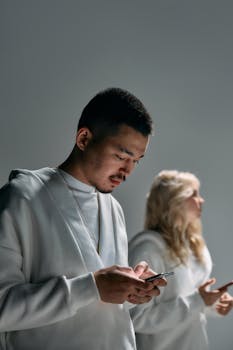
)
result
[(73, 166)]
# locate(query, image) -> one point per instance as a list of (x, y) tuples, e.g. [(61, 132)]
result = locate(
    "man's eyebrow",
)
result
[(125, 150)]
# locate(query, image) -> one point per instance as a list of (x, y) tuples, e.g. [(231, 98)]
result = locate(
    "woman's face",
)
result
[(193, 204)]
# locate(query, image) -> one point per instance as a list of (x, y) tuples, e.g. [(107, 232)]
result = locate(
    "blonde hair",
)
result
[(164, 214)]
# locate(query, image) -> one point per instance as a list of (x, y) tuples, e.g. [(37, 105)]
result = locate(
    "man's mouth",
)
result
[(117, 179)]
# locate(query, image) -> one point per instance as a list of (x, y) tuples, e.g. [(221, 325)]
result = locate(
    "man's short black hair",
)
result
[(111, 108)]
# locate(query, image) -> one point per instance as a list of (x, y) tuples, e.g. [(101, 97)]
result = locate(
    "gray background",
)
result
[(175, 55)]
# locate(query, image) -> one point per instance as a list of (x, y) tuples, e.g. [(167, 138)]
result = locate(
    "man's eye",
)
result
[(119, 158)]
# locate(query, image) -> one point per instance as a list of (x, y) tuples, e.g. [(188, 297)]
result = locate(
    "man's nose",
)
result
[(128, 166)]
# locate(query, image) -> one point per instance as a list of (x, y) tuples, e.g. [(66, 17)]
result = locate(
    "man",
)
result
[(64, 275)]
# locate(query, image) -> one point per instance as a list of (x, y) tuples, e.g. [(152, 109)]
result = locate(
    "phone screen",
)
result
[(160, 275), (225, 286)]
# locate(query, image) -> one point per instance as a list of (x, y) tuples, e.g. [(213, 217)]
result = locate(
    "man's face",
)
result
[(107, 164)]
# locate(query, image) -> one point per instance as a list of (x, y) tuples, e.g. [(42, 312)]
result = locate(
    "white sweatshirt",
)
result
[(48, 296), (176, 319)]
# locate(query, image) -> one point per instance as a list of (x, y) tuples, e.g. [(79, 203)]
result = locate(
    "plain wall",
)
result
[(176, 56)]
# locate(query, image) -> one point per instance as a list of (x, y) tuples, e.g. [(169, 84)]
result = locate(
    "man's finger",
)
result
[(141, 268)]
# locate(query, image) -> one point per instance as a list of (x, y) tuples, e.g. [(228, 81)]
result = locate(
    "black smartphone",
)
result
[(225, 286), (160, 275)]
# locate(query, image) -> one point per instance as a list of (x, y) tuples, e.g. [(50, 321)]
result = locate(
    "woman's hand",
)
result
[(225, 304), (210, 296)]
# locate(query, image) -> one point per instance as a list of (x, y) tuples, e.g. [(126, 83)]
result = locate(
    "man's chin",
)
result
[(104, 190)]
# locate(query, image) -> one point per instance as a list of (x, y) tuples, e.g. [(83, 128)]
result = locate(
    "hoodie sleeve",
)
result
[(23, 304), (160, 313)]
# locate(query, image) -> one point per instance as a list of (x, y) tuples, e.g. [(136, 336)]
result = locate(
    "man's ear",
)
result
[(84, 136)]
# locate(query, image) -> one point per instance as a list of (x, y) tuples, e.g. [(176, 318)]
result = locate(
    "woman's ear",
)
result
[(84, 136)]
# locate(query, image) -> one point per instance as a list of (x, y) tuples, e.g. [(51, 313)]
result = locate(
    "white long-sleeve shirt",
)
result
[(176, 319), (48, 296)]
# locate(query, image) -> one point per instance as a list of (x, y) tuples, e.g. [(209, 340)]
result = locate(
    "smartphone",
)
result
[(225, 286), (160, 275)]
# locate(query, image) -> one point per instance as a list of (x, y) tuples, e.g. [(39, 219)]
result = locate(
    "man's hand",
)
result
[(117, 284), (143, 271)]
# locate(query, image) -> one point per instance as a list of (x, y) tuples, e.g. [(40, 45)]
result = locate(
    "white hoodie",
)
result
[(48, 296)]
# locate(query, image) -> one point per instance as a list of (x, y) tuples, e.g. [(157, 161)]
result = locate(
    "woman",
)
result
[(172, 241)]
